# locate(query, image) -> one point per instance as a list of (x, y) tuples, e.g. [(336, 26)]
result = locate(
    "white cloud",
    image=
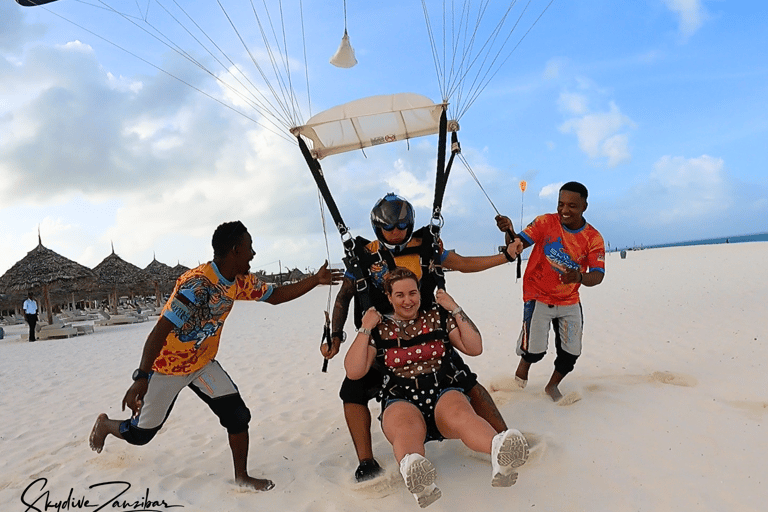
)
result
[(573, 103), (687, 188), (600, 134), (691, 14), (551, 190)]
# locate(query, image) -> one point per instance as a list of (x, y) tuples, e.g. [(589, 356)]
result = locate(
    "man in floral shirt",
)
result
[(180, 350)]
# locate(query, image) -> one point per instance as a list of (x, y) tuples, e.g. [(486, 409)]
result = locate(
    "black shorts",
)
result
[(361, 391)]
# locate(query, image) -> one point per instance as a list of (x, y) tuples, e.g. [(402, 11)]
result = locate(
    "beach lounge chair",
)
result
[(56, 330)]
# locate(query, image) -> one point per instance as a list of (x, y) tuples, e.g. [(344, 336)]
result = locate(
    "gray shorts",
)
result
[(566, 321), (211, 380)]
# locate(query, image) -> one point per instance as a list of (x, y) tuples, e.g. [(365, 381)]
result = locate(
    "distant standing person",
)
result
[(180, 350), (567, 253), (30, 314)]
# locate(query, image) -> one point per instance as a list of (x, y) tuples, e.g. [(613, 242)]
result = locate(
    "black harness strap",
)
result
[(351, 260), (391, 379), (441, 181)]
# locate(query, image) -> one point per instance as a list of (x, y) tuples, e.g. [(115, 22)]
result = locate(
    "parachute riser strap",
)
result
[(348, 242), (441, 181), (317, 174)]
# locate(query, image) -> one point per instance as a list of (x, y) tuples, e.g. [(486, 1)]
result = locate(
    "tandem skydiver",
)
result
[(398, 245)]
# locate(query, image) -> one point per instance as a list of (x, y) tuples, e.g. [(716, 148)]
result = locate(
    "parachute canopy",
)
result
[(32, 3), (372, 121)]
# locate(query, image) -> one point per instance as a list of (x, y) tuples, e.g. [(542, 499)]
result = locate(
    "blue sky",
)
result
[(658, 107)]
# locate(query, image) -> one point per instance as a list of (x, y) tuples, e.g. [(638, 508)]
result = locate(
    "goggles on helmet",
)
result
[(400, 225)]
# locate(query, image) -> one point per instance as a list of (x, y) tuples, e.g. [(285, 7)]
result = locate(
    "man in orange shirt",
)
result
[(567, 253), (180, 350)]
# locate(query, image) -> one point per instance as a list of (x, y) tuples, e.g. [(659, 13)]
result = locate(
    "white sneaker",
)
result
[(419, 475), (509, 450)]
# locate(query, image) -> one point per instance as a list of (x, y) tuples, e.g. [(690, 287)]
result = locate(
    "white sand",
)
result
[(673, 411)]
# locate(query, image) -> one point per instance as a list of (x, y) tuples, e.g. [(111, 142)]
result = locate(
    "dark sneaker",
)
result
[(368, 470)]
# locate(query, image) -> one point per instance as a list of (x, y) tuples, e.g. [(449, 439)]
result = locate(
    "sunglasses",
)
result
[(399, 225)]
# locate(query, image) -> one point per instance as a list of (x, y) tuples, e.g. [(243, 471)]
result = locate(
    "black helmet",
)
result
[(390, 212)]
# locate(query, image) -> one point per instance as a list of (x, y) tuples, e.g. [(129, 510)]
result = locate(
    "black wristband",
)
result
[(503, 250), (339, 334)]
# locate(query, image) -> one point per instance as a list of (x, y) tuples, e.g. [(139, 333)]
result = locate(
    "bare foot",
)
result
[(553, 393), (257, 484), (99, 433), (521, 374)]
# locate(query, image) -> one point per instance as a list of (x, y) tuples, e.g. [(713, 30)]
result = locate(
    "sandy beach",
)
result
[(672, 415)]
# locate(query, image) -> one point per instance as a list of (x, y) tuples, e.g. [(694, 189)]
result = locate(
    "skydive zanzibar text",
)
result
[(36, 499)]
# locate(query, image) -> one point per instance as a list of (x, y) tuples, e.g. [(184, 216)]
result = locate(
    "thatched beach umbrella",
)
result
[(114, 275), (46, 269), (162, 276), (179, 269)]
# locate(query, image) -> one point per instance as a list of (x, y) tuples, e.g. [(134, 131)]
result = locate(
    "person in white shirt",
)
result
[(30, 314)]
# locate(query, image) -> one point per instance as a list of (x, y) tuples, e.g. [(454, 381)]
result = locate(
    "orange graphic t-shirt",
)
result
[(199, 304), (556, 250)]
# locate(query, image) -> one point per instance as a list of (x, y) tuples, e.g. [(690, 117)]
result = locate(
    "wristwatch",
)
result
[(139, 374), (339, 334)]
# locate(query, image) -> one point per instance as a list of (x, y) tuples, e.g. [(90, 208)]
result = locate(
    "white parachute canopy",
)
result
[(372, 121)]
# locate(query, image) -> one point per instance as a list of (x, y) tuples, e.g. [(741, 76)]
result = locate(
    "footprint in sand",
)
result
[(339, 472), (45, 471), (753, 409), (506, 383), (675, 379), (502, 387), (569, 399)]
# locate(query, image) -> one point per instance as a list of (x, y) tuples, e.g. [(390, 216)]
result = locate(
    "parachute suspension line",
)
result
[(145, 14), (475, 59), (468, 63), (433, 46), (512, 235), (325, 235), (306, 62), (460, 37), (296, 120), (484, 51), (263, 105), (487, 79), (474, 176), (256, 99), (286, 99), (161, 38), (158, 68)]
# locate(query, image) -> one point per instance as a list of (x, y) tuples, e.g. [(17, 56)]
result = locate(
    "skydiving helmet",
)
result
[(390, 212)]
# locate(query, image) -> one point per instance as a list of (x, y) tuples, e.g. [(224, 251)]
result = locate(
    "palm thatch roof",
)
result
[(43, 267), (160, 273), (179, 269), (46, 269), (114, 273)]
